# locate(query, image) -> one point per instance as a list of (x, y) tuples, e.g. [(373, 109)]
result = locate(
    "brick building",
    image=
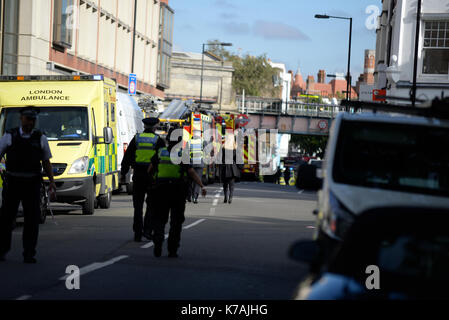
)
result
[(110, 37)]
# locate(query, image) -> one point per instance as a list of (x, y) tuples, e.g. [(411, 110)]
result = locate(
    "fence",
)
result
[(277, 106)]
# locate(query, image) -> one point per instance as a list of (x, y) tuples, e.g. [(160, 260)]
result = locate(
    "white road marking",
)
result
[(310, 227), (301, 191), (217, 195), (22, 298), (212, 212), (97, 265), (151, 243), (215, 202), (194, 224), (258, 190)]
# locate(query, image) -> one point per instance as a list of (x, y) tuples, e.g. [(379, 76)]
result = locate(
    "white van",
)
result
[(129, 123), (376, 161)]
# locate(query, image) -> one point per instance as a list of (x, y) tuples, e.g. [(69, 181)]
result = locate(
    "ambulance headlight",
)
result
[(79, 166)]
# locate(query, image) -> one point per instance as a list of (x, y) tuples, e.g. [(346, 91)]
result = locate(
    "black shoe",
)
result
[(173, 255), (195, 200), (148, 235), (157, 251), (29, 260), (137, 238), (230, 200), (189, 199), (225, 200)]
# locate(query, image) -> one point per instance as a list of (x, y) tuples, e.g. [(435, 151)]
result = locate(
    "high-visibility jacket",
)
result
[(145, 147), (166, 169)]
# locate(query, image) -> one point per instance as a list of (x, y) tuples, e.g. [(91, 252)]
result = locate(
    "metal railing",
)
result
[(279, 107)]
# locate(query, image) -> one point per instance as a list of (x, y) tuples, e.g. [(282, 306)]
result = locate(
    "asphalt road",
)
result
[(228, 252)]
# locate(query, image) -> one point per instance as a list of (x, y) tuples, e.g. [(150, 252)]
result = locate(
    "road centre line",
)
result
[(22, 298), (150, 244), (97, 265), (194, 224), (212, 212)]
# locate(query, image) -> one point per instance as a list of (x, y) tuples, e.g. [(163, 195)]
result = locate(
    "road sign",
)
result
[(242, 120), (132, 84), (379, 95), (322, 125)]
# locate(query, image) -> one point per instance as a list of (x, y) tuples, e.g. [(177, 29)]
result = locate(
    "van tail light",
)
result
[(125, 146)]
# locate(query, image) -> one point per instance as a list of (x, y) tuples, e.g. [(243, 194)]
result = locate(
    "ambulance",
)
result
[(78, 116)]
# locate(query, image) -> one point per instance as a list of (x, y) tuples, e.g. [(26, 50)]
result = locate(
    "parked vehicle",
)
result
[(378, 160), (129, 123), (387, 253), (78, 116), (307, 175)]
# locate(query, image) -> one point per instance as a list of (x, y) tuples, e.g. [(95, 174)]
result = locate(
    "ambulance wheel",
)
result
[(105, 200), (89, 205), (129, 188)]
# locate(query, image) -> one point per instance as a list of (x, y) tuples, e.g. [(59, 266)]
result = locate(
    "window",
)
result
[(399, 157), (165, 45), (57, 123), (436, 47), (10, 37), (62, 23)]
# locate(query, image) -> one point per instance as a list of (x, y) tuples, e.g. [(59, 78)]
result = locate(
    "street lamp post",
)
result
[(223, 44), (348, 76)]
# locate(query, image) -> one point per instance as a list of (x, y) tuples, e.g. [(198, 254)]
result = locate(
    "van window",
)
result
[(57, 123), (401, 157)]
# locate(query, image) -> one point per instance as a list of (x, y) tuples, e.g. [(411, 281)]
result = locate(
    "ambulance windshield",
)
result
[(57, 123)]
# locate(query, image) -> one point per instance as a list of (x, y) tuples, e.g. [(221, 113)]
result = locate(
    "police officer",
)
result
[(27, 151), (170, 197), (138, 156)]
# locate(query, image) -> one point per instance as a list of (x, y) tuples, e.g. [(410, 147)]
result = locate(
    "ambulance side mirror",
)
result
[(108, 135)]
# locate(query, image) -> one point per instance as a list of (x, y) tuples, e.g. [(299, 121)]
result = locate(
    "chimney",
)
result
[(321, 76)]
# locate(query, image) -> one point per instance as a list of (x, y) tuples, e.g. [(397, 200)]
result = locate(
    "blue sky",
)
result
[(285, 30)]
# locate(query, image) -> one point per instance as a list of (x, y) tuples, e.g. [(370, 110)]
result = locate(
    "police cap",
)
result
[(30, 112), (150, 121)]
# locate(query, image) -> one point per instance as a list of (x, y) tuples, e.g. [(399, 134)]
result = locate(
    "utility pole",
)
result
[(415, 66)]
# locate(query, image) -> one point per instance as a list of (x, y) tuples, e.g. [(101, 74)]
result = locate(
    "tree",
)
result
[(311, 144), (252, 74)]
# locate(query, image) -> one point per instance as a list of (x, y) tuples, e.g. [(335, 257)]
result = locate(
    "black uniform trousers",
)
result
[(16, 190), (169, 200), (141, 194)]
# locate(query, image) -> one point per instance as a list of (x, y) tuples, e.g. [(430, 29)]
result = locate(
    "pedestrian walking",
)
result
[(27, 152), (229, 172), (169, 196), (138, 156)]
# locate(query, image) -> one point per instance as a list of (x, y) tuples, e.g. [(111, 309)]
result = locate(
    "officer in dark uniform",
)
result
[(138, 156), (169, 197), (27, 151)]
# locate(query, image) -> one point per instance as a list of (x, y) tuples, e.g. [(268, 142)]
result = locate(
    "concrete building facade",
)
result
[(185, 80), (110, 37), (285, 81), (395, 48)]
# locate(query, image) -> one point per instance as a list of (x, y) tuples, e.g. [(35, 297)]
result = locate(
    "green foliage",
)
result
[(311, 144), (252, 74)]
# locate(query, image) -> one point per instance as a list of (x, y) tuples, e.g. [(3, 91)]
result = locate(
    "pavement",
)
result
[(228, 252)]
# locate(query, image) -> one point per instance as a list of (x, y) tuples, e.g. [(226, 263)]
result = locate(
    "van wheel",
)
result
[(117, 191), (89, 205), (129, 188), (105, 200)]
